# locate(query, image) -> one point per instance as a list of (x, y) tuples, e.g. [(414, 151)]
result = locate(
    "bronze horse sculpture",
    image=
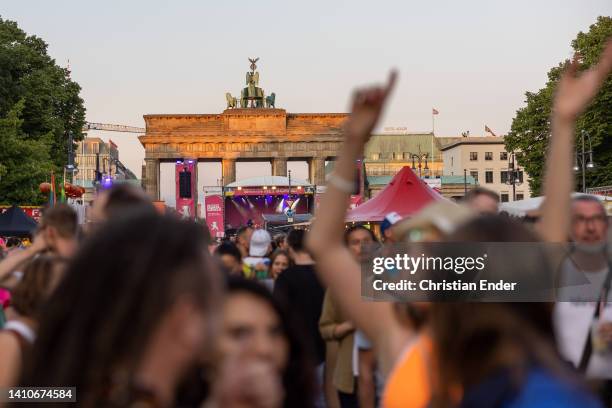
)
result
[(270, 100)]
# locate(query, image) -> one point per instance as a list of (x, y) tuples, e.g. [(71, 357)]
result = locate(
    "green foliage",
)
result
[(38, 97), (25, 161), (531, 126)]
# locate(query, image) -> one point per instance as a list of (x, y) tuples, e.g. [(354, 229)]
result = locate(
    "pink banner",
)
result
[(269, 191), (214, 215)]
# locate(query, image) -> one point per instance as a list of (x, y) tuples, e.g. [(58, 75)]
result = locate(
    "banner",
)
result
[(249, 191), (214, 215)]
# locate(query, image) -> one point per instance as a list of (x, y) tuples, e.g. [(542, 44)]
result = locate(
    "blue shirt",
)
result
[(540, 389)]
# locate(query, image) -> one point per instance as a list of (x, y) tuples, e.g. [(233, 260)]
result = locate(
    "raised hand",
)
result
[(575, 92), (365, 110)]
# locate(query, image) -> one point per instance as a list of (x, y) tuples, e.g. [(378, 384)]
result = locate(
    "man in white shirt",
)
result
[(583, 279)]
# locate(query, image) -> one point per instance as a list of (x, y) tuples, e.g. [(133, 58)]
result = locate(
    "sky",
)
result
[(472, 60)]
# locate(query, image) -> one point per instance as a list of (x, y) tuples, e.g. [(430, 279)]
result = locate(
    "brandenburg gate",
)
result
[(250, 129)]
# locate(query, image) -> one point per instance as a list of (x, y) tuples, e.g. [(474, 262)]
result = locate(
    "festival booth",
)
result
[(250, 199), (14, 222), (406, 194)]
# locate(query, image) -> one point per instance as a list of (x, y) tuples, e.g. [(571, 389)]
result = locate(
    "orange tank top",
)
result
[(409, 383)]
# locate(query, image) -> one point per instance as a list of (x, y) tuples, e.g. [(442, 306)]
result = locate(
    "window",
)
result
[(519, 196), (473, 156), (475, 175), (504, 197), (488, 155), (398, 156), (375, 156), (503, 155), (503, 176), (488, 176), (520, 176)]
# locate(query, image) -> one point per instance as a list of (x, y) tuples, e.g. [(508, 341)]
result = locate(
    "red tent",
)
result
[(405, 194)]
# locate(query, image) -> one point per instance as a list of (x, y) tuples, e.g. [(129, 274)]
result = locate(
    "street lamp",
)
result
[(289, 213), (584, 165), (421, 157), (514, 175)]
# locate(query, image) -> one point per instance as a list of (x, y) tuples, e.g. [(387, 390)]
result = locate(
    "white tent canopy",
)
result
[(521, 207)]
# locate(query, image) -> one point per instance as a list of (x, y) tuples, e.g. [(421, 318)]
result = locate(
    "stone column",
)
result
[(316, 170), (279, 166), (152, 178), (228, 171)]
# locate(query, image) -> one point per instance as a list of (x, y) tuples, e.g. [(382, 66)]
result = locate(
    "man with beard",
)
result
[(583, 314)]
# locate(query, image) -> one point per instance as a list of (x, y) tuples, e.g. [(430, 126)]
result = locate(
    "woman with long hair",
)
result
[(279, 261), (40, 277), (256, 329), (132, 315)]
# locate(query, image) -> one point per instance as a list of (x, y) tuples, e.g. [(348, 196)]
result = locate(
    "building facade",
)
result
[(95, 155), (386, 154), (487, 161)]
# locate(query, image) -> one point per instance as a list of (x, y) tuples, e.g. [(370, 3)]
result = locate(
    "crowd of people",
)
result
[(140, 309)]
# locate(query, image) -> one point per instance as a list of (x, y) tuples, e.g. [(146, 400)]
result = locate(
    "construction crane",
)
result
[(112, 128)]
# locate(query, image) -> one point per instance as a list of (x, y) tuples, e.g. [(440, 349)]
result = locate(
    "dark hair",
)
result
[(34, 288), (228, 248), (492, 228), (477, 191), (13, 242), (279, 252), (62, 218), (358, 227), (468, 336), (279, 238), (298, 378), (276, 254), (98, 321), (242, 230), (205, 230), (123, 197), (296, 239)]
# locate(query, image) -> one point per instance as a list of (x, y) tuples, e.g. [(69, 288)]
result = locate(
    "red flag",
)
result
[(434, 111)]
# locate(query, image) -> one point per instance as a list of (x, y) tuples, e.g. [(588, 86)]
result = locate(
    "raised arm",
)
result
[(19, 257), (573, 95), (335, 265)]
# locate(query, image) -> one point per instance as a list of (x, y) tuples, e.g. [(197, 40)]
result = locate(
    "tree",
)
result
[(530, 128), (25, 162), (39, 95)]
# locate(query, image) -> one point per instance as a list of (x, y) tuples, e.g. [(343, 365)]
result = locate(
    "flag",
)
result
[(434, 111), (52, 191), (62, 198), (488, 129)]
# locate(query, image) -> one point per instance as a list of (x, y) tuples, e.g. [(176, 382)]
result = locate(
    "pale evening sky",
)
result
[(471, 60)]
